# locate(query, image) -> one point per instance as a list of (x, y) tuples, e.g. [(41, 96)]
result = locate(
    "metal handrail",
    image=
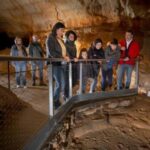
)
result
[(12, 58), (73, 100)]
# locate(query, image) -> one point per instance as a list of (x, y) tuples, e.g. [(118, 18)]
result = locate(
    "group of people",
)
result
[(35, 51), (120, 55)]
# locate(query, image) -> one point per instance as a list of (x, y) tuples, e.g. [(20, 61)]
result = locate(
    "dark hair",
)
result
[(98, 41), (57, 26), (114, 41), (81, 51), (130, 31), (71, 32), (16, 38)]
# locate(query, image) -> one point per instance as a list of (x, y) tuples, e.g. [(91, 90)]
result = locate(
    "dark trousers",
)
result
[(107, 76)]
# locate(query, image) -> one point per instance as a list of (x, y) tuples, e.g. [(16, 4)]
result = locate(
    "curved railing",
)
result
[(74, 100)]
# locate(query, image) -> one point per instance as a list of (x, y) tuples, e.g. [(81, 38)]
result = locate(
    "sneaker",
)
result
[(42, 84), (18, 86), (57, 104), (127, 87), (33, 84), (24, 87)]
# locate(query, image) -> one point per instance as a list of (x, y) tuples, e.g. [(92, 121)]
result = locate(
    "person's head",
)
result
[(18, 41), (83, 54), (35, 38), (58, 30), (129, 35), (114, 44), (71, 36), (98, 44)]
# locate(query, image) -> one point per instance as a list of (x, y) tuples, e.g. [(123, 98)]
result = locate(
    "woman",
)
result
[(96, 52), (56, 49), (71, 37), (18, 50)]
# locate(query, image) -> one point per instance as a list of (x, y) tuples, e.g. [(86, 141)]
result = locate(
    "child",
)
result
[(87, 72), (112, 55)]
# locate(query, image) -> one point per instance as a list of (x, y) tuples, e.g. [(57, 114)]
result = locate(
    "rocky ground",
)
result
[(119, 124), (9, 103), (18, 121)]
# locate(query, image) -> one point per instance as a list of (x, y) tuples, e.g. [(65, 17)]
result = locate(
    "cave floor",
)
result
[(122, 124)]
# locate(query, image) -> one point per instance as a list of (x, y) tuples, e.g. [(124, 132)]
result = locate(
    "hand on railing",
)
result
[(75, 59), (126, 59), (67, 58)]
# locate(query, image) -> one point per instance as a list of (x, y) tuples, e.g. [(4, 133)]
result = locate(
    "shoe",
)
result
[(18, 86), (42, 84), (33, 84), (103, 89), (126, 87), (57, 104), (24, 87), (115, 88), (120, 88)]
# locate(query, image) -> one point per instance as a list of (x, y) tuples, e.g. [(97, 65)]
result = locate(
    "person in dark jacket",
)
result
[(96, 52), (18, 50), (87, 73), (112, 55), (36, 51), (71, 37), (57, 49)]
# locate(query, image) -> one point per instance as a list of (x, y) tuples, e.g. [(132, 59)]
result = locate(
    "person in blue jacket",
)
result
[(18, 50)]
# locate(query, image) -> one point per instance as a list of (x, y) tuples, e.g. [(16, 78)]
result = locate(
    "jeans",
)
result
[(93, 85), (124, 69), (38, 64), (107, 74), (96, 70), (20, 68), (59, 77)]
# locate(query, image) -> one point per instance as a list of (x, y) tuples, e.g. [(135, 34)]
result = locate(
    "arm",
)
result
[(30, 50), (90, 55), (51, 48), (41, 50), (12, 54), (135, 52), (25, 51), (118, 53), (106, 54)]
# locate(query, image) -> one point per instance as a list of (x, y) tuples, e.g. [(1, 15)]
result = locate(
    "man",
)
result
[(35, 51), (57, 49), (129, 52)]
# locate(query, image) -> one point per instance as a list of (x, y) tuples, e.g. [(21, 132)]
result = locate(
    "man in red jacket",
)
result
[(129, 52)]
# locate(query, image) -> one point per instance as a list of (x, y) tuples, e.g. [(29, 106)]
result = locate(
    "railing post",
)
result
[(70, 80), (50, 79), (137, 74), (8, 76), (81, 78)]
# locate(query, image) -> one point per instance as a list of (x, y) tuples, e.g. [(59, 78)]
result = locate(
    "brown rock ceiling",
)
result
[(28, 16)]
